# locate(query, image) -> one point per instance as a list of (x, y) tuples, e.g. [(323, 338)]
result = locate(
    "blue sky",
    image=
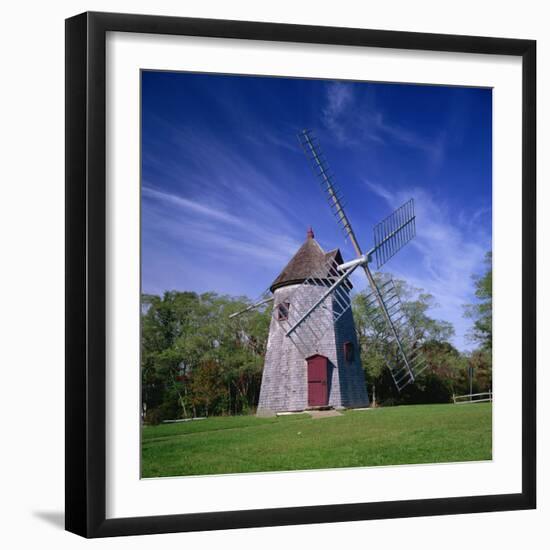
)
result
[(227, 193)]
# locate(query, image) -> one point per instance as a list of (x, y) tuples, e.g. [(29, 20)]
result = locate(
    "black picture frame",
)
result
[(86, 269)]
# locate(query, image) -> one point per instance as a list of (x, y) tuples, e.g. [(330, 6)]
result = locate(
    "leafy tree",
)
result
[(207, 388), (482, 332), (427, 334), (195, 360), (482, 311)]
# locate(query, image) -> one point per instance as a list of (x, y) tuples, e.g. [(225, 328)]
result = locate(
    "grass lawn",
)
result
[(411, 434)]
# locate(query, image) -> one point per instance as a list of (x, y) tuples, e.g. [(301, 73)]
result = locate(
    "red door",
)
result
[(317, 387)]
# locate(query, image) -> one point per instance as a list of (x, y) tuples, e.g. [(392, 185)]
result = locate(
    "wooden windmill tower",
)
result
[(312, 358), (321, 368)]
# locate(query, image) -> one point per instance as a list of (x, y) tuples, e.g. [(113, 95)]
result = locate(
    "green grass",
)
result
[(384, 436)]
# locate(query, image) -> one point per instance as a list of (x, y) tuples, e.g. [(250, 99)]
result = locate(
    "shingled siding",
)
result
[(284, 380), (353, 389)]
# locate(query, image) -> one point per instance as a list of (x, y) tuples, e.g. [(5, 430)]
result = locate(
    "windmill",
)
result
[(390, 235), (312, 322)]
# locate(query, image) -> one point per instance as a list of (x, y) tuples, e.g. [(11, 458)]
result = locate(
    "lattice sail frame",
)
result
[(315, 306), (394, 232), (263, 299), (310, 146), (390, 236), (404, 367)]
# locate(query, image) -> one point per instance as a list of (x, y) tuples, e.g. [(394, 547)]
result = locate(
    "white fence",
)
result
[(483, 397)]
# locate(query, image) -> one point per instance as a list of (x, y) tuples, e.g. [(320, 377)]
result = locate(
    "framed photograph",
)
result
[(300, 274)]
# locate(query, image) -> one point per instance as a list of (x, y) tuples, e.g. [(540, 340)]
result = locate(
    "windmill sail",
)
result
[(403, 357), (320, 168), (394, 232), (392, 235), (310, 310), (264, 298)]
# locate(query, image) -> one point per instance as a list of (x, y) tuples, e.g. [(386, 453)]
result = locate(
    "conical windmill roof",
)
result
[(309, 258)]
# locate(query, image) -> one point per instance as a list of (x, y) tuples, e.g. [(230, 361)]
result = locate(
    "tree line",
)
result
[(196, 361)]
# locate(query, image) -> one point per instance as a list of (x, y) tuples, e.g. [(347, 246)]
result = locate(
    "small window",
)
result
[(282, 311), (348, 351)]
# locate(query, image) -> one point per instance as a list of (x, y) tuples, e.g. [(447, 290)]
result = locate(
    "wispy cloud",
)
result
[(381, 191), (349, 117), (433, 147), (339, 99), (228, 194), (447, 255), (213, 207), (191, 206)]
